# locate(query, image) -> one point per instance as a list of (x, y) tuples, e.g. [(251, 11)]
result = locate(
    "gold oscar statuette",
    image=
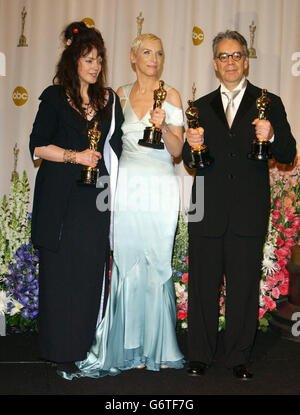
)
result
[(200, 154), (22, 39), (152, 135), (260, 148), (89, 175)]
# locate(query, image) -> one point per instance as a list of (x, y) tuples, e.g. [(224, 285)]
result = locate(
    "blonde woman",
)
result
[(138, 329)]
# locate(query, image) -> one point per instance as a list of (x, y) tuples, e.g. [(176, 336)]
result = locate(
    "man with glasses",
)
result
[(229, 240)]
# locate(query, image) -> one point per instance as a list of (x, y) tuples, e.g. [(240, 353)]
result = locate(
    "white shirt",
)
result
[(238, 99)]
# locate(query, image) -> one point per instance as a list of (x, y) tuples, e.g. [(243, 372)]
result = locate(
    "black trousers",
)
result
[(210, 258)]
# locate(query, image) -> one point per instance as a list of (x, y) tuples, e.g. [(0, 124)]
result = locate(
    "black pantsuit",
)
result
[(229, 239)]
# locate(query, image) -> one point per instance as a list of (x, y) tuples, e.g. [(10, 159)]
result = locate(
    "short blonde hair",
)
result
[(136, 44)]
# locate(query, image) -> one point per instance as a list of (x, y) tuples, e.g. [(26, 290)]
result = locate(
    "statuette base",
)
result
[(89, 176), (152, 138), (260, 151), (201, 158)]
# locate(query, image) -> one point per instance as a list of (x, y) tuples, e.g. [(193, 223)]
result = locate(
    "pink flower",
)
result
[(289, 200), (279, 241), (222, 311), (275, 176), (290, 232), (185, 278), (296, 223), (289, 216), (293, 181), (271, 282), (279, 276), (282, 263), (181, 315), (270, 304), (289, 242), (285, 272), (278, 203), (261, 313), (284, 288), (280, 227), (282, 253), (276, 214), (275, 293)]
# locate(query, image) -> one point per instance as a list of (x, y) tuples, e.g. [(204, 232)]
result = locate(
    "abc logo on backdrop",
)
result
[(198, 35), (20, 96), (88, 21)]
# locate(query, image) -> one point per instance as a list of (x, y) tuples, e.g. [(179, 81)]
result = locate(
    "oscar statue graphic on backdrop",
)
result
[(22, 39), (260, 148), (200, 154), (16, 156), (252, 51), (139, 21)]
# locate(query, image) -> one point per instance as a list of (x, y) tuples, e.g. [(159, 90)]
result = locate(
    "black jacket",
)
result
[(59, 124), (237, 189)]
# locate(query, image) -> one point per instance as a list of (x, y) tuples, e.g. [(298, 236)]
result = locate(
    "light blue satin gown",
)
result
[(139, 323)]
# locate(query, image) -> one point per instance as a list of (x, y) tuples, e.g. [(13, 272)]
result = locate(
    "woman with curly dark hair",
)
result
[(77, 127)]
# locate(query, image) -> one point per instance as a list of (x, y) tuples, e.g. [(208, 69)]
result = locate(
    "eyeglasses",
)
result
[(236, 56)]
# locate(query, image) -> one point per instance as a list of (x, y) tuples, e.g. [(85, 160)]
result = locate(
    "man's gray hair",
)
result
[(230, 34)]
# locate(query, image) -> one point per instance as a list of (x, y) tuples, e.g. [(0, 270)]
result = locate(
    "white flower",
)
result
[(16, 307), (178, 288), (4, 301), (269, 250), (14, 223), (269, 266), (263, 290), (184, 325)]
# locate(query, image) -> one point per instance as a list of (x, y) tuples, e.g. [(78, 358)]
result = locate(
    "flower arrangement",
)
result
[(14, 224), (18, 259), (283, 233), (180, 272), (22, 286)]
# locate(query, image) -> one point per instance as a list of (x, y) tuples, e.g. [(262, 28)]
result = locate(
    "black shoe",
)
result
[(241, 372), (197, 369)]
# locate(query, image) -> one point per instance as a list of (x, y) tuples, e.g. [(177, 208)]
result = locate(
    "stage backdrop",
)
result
[(30, 46)]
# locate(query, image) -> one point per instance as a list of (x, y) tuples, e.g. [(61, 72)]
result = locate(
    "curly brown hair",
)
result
[(82, 40)]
